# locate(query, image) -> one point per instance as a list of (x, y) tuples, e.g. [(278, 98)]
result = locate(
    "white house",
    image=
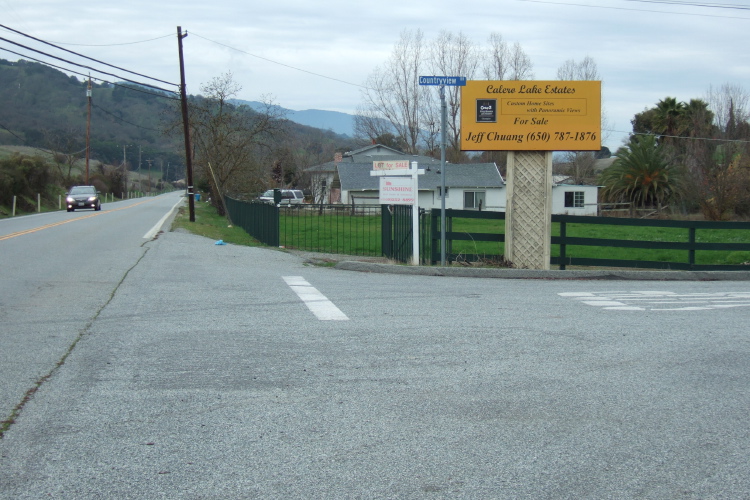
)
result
[(469, 186), (474, 186), (573, 199)]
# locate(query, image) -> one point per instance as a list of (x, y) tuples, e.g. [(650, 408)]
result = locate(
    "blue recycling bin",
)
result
[(197, 197)]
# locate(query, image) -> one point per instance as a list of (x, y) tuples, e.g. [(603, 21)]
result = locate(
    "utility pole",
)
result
[(186, 128), (149, 175), (88, 130)]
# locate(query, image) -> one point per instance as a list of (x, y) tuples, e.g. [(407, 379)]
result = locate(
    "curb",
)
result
[(458, 272)]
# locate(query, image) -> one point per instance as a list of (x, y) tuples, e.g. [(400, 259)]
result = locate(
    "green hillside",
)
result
[(44, 108)]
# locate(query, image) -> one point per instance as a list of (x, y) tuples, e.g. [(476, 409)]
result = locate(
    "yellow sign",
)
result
[(531, 115)]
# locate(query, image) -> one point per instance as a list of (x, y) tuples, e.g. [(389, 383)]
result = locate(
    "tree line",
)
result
[(692, 156)]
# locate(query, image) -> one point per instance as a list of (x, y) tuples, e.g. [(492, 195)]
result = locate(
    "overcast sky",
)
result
[(317, 55)]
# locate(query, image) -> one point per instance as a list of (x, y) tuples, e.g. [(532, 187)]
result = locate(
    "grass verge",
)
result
[(211, 225)]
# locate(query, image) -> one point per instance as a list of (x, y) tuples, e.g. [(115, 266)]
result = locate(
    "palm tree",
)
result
[(640, 175), (668, 120), (697, 119)]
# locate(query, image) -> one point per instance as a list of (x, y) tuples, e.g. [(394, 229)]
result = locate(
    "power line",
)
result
[(92, 77), (710, 139), (123, 120), (590, 6), (85, 57), (84, 66), (114, 44), (282, 64), (694, 4)]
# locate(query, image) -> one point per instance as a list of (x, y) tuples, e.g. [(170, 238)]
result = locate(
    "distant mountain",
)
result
[(339, 123)]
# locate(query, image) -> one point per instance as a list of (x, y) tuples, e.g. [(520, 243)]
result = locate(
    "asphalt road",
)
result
[(198, 370)]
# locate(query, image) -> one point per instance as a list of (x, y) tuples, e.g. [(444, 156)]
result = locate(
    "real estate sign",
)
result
[(397, 191), (531, 115), (391, 165)]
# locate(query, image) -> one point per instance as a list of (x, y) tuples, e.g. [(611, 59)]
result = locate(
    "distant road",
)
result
[(198, 370)]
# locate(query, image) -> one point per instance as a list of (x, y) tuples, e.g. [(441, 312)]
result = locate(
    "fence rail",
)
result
[(375, 230), (690, 246)]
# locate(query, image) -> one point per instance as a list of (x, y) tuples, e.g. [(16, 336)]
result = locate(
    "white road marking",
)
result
[(152, 232), (318, 303), (661, 300)]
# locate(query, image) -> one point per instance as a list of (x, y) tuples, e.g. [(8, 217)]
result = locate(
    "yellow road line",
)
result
[(34, 230)]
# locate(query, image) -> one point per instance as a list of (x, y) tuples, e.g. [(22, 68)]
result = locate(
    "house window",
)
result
[(574, 199), (474, 200), (447, 191)]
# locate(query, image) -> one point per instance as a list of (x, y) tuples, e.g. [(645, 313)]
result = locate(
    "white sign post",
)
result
[(399, 185)]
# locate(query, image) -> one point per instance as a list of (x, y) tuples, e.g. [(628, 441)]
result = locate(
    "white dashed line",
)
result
[(661, 300), (318, 304)]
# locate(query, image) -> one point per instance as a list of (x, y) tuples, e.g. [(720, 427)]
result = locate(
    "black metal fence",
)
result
[(363, 230), (338, 229), (381, 230), (259, 220)]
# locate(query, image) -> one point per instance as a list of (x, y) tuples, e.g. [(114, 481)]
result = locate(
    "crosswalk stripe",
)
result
[(315, 301)]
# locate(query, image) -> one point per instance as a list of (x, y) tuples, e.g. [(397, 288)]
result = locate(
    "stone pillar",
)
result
[(528, 212)]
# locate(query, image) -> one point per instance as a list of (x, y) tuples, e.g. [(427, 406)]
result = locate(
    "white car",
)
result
[(288, 196)]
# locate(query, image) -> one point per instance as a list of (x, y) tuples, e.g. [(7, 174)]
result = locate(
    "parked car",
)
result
[(288, 196), (83, 197)]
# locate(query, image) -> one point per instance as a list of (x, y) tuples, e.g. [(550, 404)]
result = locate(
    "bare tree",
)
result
[(584, 70), (394, 102), (231, 143), (393, 92), (578, 166), (452, 55), (722, 168), (430, 119), (520, 64), (730, 104), (66, 151), (505, 62), (369, 124)]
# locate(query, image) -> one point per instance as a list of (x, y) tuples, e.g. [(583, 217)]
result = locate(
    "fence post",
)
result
[(691, 252), (434, 238), (386, 231), (563, 234)]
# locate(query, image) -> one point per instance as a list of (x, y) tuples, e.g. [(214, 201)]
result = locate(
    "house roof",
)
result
[(374, 149), (356, 176), (369, 154), (602, 163)]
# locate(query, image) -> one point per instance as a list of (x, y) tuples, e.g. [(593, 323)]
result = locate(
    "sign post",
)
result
[(399, 185), (442, 81)]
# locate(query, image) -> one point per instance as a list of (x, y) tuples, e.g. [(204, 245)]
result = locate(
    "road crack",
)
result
[(6, 424)]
